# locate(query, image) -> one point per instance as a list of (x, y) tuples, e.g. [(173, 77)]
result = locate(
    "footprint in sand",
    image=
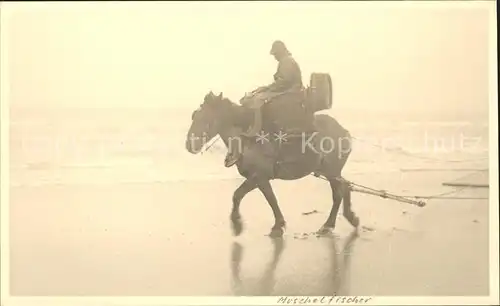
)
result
[(304, 236), (310, 212), (368, 229), (396, 229), (300, 235)]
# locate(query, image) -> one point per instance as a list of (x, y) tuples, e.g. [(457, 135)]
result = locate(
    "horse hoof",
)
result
[(237, 228), (325, 230), (354, 222), (276, 232)]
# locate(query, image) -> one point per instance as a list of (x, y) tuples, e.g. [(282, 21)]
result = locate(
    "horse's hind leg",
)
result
[(333, 171), (337, 199), (279, 221), (347, 205), (344, 186), (239, 194)]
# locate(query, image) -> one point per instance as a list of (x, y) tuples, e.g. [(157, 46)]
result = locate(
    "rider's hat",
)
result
[(278, 47)]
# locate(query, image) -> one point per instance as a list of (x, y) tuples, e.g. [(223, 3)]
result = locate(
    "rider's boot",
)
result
[(231, 159)]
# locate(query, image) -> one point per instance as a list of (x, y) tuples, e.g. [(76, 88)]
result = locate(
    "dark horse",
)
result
[(304, 155)]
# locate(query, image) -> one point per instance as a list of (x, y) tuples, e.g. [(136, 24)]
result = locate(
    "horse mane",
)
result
[(237, 114), (232, 114), (227, 101)]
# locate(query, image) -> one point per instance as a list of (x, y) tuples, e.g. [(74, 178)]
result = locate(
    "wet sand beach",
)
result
[(174, 238)]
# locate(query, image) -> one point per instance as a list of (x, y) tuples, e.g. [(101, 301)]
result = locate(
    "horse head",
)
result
[(206, 122)]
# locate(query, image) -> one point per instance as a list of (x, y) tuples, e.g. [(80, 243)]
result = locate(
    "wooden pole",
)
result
[(385, 195), (467, 185), (442, 169)]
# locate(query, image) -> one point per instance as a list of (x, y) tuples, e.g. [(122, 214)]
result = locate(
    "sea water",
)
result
[(123, 145)]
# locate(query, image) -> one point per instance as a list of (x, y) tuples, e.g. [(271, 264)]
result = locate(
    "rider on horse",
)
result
[(287, 80)]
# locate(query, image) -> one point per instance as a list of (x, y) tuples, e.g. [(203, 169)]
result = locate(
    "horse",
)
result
[(260, 164)]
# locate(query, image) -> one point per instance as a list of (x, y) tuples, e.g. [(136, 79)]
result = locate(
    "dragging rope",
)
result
[(413, 199), (381, 193), (384, 194)]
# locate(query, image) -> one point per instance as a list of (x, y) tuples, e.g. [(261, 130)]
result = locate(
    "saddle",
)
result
[(285, 111), (286, 121), (283, 121)]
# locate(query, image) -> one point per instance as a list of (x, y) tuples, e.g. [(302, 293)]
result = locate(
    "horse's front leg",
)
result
[(239, 194), (279, 221)]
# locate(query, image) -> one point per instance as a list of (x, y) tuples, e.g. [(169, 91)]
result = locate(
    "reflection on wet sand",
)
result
[(267, 282), (340, 268), (333, 282)]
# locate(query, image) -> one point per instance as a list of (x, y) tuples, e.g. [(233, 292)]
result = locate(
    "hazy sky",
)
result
[(388, 55)]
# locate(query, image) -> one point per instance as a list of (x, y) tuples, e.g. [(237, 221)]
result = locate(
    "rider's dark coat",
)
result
[(288, 77)]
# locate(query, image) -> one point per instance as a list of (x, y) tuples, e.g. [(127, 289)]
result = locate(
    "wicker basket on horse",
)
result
[(319, 93)]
